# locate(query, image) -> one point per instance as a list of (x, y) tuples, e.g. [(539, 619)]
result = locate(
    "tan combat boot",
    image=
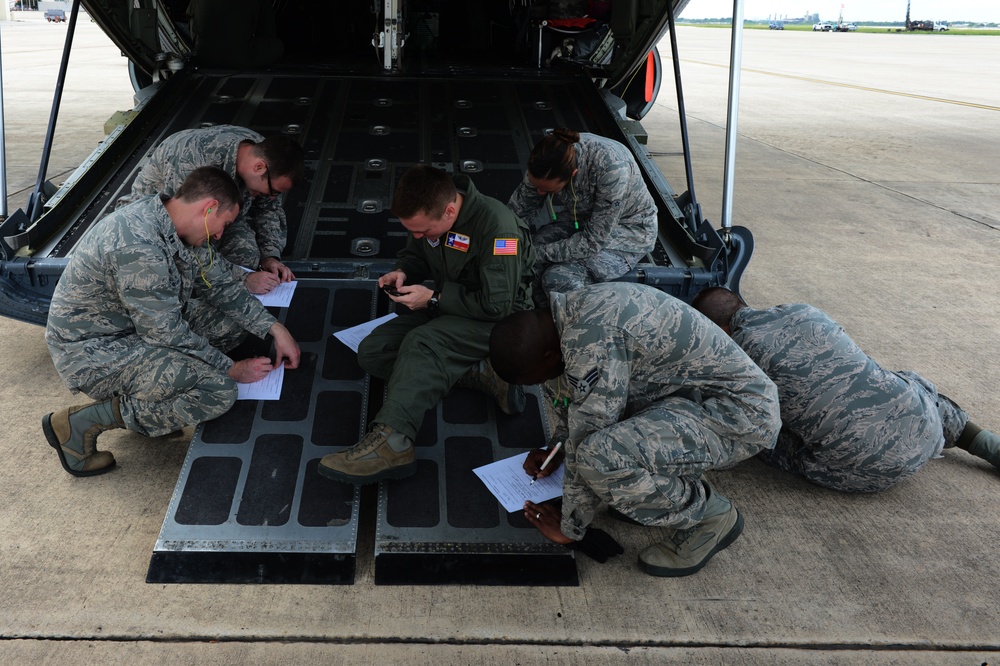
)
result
[(382, 454), (686, 551), (73, 432), (481, 377)]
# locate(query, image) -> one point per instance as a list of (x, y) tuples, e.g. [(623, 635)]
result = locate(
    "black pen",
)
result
[(548, 459)]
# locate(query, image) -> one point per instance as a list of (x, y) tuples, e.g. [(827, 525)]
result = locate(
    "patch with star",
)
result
[(457, 241), (582, 386)]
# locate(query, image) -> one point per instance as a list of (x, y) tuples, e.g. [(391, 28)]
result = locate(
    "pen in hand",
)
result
[(548, 459)]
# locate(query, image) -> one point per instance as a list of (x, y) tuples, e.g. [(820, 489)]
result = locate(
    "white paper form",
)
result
[(512, 487), (279, 297), (268, 388), (353, 336)]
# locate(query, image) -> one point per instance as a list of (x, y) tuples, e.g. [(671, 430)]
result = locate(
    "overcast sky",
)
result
[(854, 10)]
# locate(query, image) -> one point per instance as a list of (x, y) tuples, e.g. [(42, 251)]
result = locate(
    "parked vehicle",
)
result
[(845, 27), (930, 26), (822, 26), (776, 25), (55, 15)]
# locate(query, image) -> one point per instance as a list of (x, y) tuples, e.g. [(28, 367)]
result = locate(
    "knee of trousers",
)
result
[(375, 359), (220, 399)]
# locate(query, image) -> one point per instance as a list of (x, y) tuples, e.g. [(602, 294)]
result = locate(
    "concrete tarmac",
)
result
[(868, 173)]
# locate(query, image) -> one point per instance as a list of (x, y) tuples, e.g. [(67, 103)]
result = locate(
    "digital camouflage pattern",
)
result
[(259, 232), (604, 266), (609, 201), (657, 394), (132, 315), (848, 424)]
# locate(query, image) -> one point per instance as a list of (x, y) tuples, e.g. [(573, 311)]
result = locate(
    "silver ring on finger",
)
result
[(538, 516)]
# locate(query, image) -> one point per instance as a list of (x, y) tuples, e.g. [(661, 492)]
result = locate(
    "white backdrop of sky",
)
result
[(854, 10)]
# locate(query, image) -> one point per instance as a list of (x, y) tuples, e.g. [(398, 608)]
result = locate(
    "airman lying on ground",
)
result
[(847, 423)]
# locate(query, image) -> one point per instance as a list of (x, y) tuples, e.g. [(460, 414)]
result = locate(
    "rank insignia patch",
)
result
[(583, 385)]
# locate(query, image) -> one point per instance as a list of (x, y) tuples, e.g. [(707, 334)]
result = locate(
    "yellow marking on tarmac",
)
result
[(852, 86)]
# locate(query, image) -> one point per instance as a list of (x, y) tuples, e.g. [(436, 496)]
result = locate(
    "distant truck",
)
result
[(55, 15), (932, 26)]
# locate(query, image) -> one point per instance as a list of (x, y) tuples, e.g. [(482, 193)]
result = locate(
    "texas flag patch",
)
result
[(505, 246), (458, 241)]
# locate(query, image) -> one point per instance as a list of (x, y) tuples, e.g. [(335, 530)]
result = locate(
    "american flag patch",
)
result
[(505, 246)]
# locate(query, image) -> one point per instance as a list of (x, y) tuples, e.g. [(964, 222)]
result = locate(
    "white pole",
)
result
[(735, 59)]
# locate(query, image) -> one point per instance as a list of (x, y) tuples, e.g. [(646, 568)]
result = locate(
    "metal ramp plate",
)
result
[(443, 526), (250, 507)]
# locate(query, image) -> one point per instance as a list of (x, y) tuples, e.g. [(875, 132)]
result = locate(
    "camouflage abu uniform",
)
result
[(132, 316), (657, 395), (259, 232), (848, 424), (609, 202)]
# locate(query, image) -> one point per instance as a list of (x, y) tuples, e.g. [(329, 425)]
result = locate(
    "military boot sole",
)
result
[(666, 572), (399, 472), (50, 435)]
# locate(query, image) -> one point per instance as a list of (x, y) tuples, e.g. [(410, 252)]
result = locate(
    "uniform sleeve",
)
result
[(610, 195), (149, 290), (599, 377), (499, 278), (525, 200), (267, 218)]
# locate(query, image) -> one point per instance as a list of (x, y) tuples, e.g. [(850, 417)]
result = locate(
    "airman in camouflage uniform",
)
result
[(656, 396), (847, 423), (141, 317), (601, 219), (263, 169)]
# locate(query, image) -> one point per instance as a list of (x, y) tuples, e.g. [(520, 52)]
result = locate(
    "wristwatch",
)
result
[(432, 303)]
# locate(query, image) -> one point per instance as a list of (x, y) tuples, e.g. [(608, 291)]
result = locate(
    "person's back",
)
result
[(182, 152), (861, 424), (847, 423), (670, 351)]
